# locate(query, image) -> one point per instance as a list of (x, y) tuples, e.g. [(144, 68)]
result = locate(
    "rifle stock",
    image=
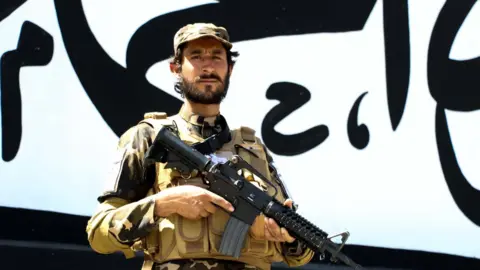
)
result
[(248, 200)]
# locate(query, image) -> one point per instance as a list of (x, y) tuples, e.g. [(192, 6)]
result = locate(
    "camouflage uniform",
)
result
[(208, 264), (125, 220)]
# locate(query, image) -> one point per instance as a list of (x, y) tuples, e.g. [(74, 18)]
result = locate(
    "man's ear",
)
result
[(230, 69), (174, 68)]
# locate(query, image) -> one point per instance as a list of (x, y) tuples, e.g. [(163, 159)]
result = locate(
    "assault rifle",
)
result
[(248, 200)]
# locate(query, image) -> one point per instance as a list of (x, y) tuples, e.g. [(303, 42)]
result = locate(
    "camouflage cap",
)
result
[(197, 30)]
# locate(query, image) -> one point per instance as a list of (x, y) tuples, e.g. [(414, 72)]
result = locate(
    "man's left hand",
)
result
[(273, 232)]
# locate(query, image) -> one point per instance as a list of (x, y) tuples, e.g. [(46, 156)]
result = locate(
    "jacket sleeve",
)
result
[(125, 213), (294, 254)]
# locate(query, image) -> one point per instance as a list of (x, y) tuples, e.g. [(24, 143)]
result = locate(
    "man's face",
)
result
[(204, 75)]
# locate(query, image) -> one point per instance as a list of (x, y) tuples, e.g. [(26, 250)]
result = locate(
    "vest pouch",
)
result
[(191, 236), (255, 243), (154, 246), (165, 238)]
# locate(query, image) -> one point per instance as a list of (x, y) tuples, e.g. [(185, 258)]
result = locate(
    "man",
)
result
[(172, 218)]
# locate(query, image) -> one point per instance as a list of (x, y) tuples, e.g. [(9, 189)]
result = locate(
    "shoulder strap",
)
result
[(157, 120), (278, 177), (216, 141), (248, 134)]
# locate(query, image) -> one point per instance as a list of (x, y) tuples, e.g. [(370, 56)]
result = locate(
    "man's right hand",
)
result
[(192, 202)]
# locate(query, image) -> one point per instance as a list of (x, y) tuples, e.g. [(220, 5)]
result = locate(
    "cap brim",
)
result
[(223, 41)]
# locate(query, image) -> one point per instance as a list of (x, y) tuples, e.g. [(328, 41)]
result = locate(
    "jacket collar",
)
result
[(196, 119)]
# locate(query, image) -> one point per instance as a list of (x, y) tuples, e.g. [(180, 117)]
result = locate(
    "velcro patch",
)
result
[(115, 170)]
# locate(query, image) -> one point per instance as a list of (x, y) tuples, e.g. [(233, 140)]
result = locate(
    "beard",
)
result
[(209, 95)]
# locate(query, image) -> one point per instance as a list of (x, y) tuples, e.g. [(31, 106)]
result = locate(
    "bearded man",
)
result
[(172, 218)]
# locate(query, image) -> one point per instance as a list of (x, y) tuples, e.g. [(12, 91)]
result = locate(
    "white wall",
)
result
[(393, 193)]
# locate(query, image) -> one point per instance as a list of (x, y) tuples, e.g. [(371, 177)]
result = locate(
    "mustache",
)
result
[(208, 76)]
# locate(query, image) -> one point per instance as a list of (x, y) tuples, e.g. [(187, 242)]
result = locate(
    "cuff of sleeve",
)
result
[(132, 222), (105, 228)]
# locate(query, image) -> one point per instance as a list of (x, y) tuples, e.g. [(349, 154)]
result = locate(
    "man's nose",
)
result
[(207, 65)]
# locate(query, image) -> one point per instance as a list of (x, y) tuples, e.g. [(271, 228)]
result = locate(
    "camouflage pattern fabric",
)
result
[(197, 30), (203, 264), (125, 215), (134, 221)]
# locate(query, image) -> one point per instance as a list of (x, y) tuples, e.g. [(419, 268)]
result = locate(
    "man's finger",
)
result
[(274, 226), (221, 202), (210, 207), (286, 236), (268, 234), (274, 229), (288, 202), (204, 213)]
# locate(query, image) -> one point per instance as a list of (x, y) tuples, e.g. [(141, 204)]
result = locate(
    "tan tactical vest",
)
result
[(180, 238)]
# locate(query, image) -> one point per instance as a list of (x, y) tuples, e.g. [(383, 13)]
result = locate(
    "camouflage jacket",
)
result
[(125, 214)]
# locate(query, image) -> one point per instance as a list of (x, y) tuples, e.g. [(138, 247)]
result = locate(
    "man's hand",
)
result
[(192, 202), (271, 231)]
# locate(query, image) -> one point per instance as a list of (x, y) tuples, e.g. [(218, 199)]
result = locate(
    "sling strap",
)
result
[(215, 141)]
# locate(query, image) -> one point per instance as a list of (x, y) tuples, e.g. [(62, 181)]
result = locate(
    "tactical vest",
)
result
[(181, 238)]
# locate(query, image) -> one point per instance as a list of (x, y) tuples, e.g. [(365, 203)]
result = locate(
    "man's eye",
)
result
[(195, 57)]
